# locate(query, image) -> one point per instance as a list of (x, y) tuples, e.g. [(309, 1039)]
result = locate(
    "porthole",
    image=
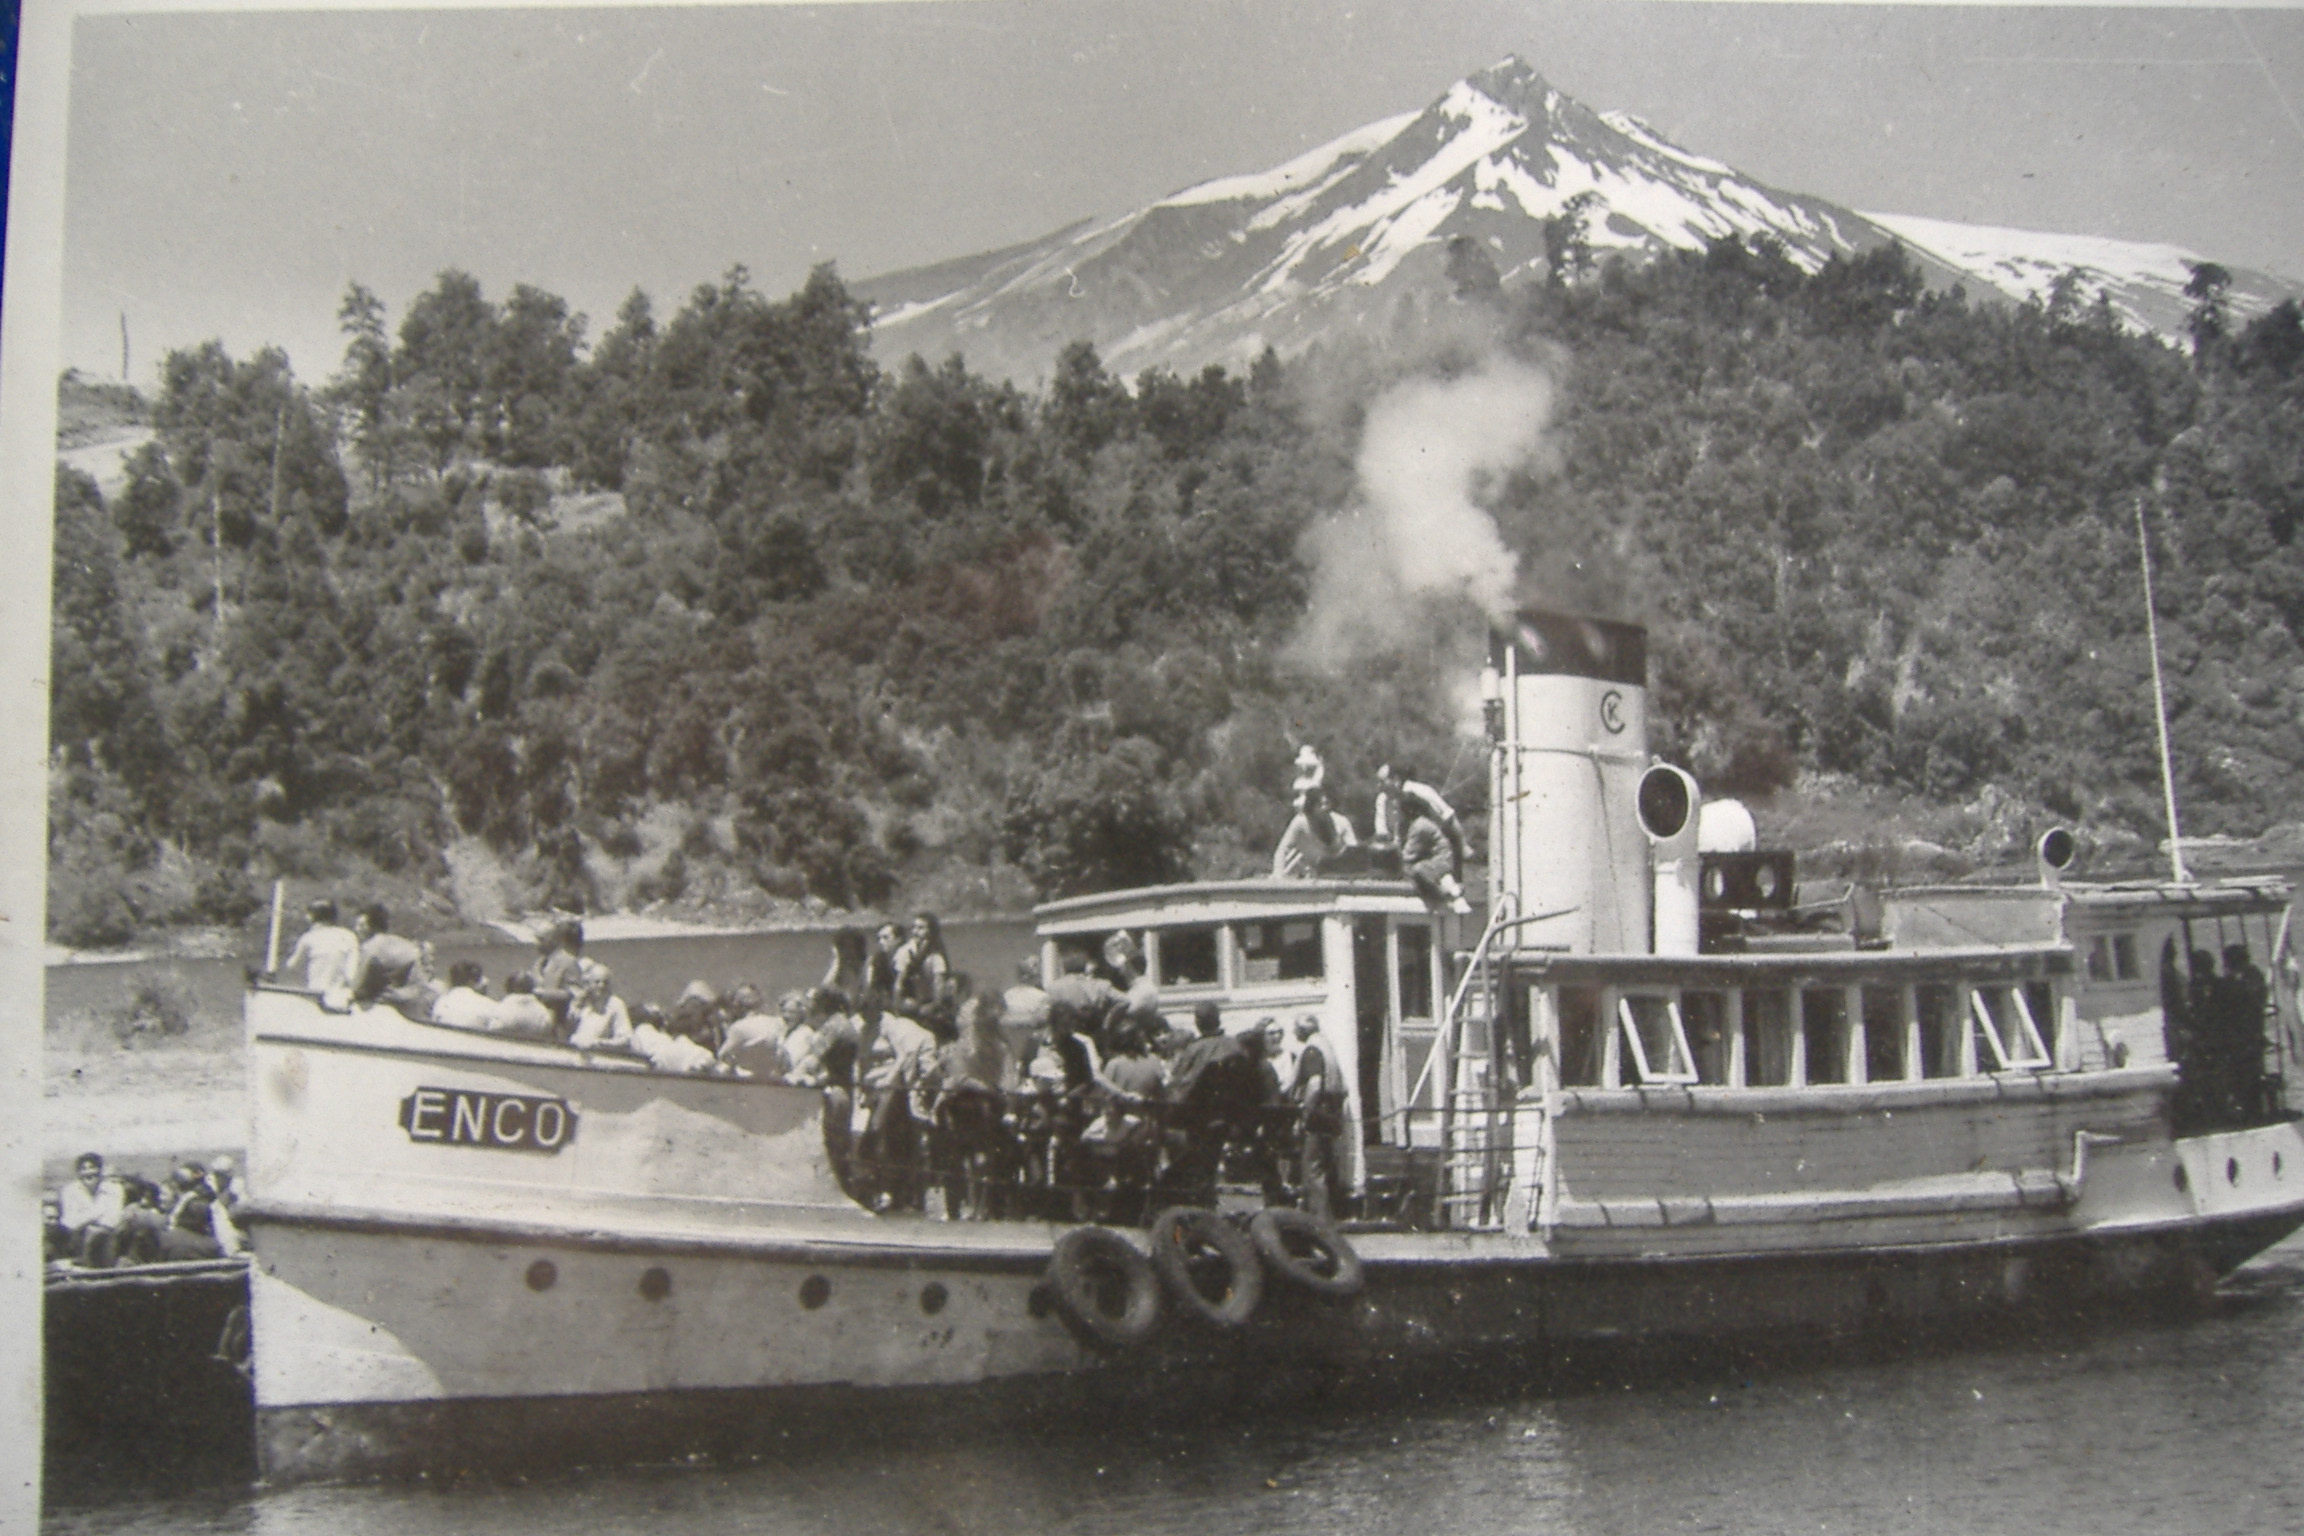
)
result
[(2183, 1180), (933, 1296), (656, 1284), (2232, 1170), (542, 1274), (815, 1291)]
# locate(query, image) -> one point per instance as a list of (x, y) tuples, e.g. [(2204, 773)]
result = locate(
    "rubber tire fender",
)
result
[(1085, 1259), (1306, 1251), (1181, 1234)]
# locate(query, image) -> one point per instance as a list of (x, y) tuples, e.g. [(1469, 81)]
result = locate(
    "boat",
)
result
[(1649, 1095)]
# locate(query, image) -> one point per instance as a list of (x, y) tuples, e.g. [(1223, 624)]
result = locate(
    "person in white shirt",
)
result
[(465, 1005), (603, 1023), (91, 1210), (326, 951), (1316, 835)]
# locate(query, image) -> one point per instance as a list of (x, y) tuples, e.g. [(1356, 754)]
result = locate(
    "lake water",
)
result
[(2142, 1430)]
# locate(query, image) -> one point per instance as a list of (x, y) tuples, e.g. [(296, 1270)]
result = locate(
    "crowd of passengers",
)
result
[(1414, 833), (103, 1218), (1078, 1100)]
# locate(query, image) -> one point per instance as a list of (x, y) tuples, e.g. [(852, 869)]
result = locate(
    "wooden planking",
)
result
[(1665, 1154)]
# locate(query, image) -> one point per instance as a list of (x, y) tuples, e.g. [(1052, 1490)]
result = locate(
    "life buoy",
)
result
[(1306, 1251), (1208, 1265), (1104, 1288)]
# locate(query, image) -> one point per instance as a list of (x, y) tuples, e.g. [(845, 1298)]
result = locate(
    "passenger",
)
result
[(696, 1015), (328, 953), (851, 954), (1400, 796), (805, 1013), (664, 1048), (190, 1232), (465, 1005), (1426, 859), (1311, 772), (559, 970), (91, 1212), (880, 964), (55, 1245), (224, 1181), (602, 1022), (868, 1061), (754, 1043), (1318, 1092), (1130, 1129), (1217, 1092), (1315, 835), (923, 972), (391, 968), (1088, 1003), (1024, 1008), (522, 1014), (968, 1087)]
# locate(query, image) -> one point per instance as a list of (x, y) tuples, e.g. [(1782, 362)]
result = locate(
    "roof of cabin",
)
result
[(1214, 901)]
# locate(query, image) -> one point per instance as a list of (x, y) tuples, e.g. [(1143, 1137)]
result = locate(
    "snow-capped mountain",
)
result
[(1403, 213)]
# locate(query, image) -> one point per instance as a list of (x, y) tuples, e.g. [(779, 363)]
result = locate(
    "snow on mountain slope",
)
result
[(1378, 226)]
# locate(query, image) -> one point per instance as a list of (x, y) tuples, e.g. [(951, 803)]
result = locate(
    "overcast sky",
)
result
[(228, 175)]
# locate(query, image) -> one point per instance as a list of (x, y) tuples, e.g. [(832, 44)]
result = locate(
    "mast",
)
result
[(2160, 704)]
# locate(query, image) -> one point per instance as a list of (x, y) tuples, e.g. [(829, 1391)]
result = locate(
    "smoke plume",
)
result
[(1428, 449)]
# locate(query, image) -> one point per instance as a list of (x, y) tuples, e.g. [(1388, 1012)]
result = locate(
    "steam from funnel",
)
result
[(1428, 448)]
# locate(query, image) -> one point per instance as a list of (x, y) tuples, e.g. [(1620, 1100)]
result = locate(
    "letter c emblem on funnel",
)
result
[(1612, 712)]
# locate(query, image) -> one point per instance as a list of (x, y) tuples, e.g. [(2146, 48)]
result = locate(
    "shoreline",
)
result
[(229, 944)]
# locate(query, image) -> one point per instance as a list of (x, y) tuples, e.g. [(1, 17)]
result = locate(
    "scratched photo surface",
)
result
[(732, 474)]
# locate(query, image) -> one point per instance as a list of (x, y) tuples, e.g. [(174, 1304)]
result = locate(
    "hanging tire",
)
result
[(1306, 1251), (1208, 1265), (1104, 1288)]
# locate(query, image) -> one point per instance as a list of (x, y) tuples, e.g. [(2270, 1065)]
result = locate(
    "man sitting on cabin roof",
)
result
[(1315, 835)]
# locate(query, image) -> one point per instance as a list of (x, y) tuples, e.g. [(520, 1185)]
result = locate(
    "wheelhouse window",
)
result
[(1415, 971), (2124, 967), (1583, 1044), (1705, 1014), (1943, 1030), (1767, 1038), (1280, 951), (1884, 1032), (1187, 957), (2005, 1019), (1655, 1040), (1824, 1034)]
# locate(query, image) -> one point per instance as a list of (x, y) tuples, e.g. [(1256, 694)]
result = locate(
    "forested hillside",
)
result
[(713, 612)]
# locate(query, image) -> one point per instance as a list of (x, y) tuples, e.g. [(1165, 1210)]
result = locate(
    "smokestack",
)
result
[(1565, 833)]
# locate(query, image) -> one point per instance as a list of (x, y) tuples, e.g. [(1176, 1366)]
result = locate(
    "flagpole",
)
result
[(2160, 704)]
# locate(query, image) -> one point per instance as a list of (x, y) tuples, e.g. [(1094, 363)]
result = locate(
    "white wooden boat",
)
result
[(1614, 1111)]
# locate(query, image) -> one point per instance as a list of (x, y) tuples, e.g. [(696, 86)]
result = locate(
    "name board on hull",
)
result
[(506, 1122)]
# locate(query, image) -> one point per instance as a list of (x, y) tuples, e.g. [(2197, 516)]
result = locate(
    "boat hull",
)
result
[(389, 1349)]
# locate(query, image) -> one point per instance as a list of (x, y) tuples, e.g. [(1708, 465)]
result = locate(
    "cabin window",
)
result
[(1280, 951), (1824, 1035), (1706, 1016), (1655, 1040), (1767, 1039), (1943, 1030), (1583, 1044), (1884, 1031), (1186, 956), (2100, 958), (2004, 1015), (2124, 967), (1415, 971)]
